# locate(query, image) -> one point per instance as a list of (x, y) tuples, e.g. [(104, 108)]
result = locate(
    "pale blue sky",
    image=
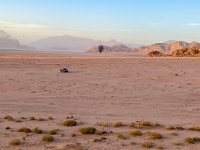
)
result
[(136, 21)]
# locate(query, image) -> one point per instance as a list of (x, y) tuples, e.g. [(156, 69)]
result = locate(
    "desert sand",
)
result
[(98, 92)]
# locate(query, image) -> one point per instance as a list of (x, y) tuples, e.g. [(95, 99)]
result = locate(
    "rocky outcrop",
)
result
[(185, 52), (168, 47)]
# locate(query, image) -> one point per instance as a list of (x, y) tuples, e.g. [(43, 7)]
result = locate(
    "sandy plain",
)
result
[(98, 92)]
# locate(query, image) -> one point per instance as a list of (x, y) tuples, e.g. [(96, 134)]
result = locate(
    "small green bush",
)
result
[(176, 143), (69, 123), (155, 135), (25, 130), (169, 127), (54, 131), (118, 124), (98, 132), (47, 138), (15, 142), (50, 118), (193, 140), (121, 136), (148, 145), (135, 133), (88, 130), (38, 131), (173, 133)]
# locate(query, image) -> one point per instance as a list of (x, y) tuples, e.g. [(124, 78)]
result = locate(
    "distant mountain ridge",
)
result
[(72, 43), (167, 47), (8, 42)]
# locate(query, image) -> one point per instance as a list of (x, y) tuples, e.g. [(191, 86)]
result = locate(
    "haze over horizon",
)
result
[(138, 21)]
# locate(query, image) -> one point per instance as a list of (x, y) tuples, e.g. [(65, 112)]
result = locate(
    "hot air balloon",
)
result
[(100, 49)]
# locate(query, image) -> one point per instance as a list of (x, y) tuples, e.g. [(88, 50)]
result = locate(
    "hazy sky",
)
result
[(136, 21)]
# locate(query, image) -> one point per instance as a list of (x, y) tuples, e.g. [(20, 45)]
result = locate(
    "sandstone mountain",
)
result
[(167, 47), (115, 48), (71, 43), (8, 42), (185, 52)]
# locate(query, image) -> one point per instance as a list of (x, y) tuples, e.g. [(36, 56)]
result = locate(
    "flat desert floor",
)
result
[(115, 95)]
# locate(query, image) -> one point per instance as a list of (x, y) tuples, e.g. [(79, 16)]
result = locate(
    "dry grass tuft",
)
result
[(118, 124), (194, 129), (9, 118), (177, 143)]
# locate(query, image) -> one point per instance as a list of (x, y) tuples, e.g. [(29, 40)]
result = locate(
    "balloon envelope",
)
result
[(100, 48)]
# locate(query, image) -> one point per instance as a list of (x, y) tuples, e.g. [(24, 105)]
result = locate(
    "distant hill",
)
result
[(167, 47), (71, 43), (115, 48), (8, 42)]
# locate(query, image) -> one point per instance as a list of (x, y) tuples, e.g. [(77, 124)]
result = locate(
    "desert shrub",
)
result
[(133, 143), (121, 136), (148, 145), (169, 127), (173, 133), (98, 132), (8, 128), (38, 131), (70, 123), (194, 129), (9, 118), (193, 140), (15, 142), (118, 124), (47, 138), (160, 147), (50, 118), (25, 130), (176, 143), (41, 119), (18, 120), (144, 124), (88, 130), (32, 118), (54, 131), (23, 138), (155, 135), (135, 133)]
